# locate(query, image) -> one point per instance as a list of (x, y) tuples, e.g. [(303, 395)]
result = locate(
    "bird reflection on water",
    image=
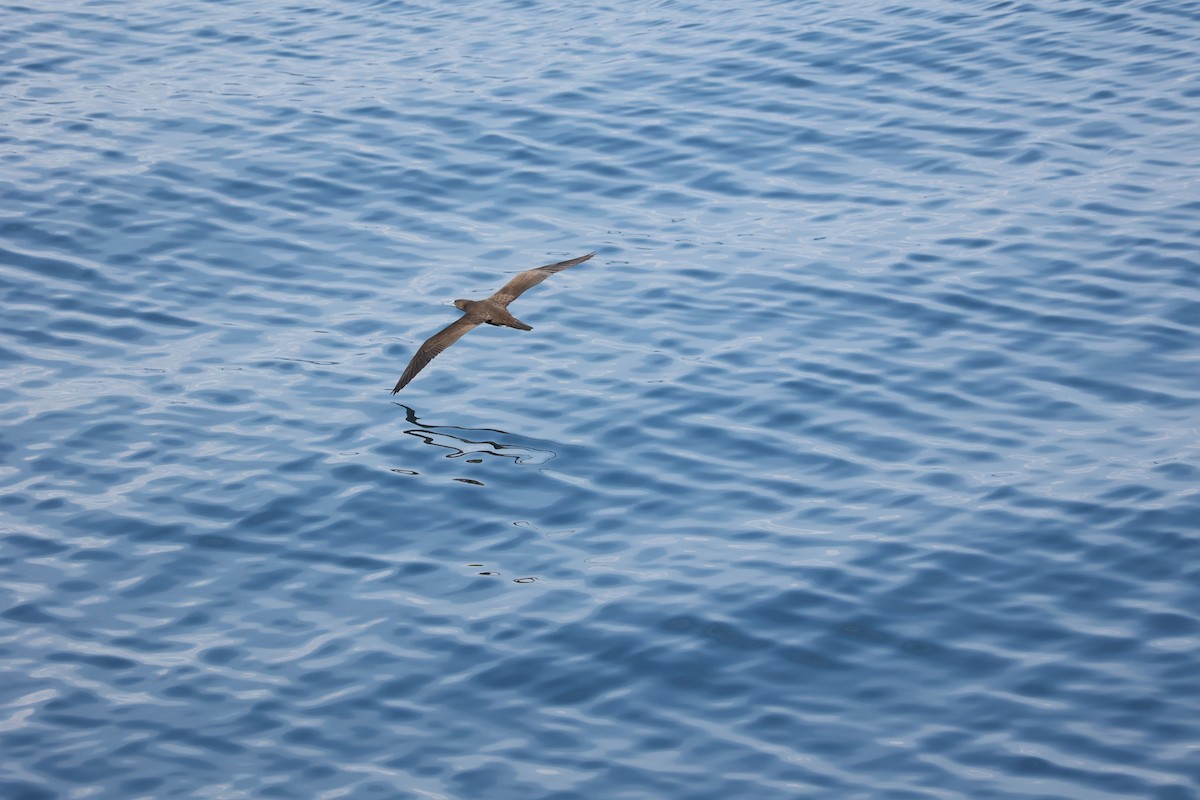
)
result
[(463, 441)]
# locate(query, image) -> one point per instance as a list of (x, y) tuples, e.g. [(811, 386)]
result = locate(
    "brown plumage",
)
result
[(493, 311)]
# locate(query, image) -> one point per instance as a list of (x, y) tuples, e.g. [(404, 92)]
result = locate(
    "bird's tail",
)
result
[(509, 321)]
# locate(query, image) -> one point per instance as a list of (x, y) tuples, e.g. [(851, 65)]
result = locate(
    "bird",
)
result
[(493, 311)]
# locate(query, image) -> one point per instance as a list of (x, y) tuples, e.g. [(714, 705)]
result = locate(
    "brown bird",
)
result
[(493, 311)]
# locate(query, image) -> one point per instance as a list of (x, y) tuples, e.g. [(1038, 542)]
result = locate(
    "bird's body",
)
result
[(493, 311)]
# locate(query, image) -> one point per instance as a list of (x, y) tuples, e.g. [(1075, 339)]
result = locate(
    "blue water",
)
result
[(862, 462)]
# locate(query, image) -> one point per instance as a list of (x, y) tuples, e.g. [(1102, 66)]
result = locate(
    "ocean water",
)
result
[(861, 462)]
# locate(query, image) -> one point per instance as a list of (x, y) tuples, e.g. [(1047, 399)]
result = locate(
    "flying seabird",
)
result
[(493, 311)]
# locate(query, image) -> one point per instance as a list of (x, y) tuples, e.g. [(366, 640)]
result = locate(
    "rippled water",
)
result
[(860, 463)]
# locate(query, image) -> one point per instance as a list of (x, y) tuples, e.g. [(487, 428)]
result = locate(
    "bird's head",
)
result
[(461, 305)]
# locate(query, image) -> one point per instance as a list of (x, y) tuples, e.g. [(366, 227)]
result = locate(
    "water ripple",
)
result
[(860, 462)]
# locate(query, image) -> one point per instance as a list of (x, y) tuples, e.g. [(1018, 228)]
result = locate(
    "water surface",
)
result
[(860, 463)]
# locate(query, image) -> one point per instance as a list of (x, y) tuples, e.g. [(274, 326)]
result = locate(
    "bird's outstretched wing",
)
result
[(532, 277), (434, 345)]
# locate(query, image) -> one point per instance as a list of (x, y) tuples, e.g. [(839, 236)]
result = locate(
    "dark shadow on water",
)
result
[(463, 441)]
